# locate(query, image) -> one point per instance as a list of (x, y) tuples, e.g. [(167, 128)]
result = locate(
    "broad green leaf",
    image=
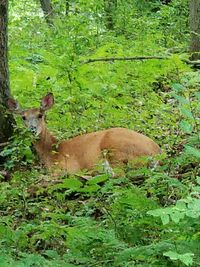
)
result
[(192, 151), (186, 258), (198, 95), (176, 216), (194, 204), (155, 213), (198, 180), (165, 218), (98, 179), (186, 126), (181, 99), (180, 205), (193, 214), (187, 113), (53, 254), (71, 183), (174, 182), (196, 189), (178, 87), (172, 255), (90, 188)]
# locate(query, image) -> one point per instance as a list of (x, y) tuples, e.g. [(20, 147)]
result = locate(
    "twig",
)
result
[(122, 58), (190, 62), (4, 144)]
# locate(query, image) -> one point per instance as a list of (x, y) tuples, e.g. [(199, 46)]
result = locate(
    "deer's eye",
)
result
[(23, 117), (40, 116)]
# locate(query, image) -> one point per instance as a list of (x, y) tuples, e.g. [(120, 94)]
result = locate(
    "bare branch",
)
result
[(195, 64), (4, 144)]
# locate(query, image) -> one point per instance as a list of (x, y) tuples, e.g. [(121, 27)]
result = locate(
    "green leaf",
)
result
[(51, 254), (98, 179), (180, 205), (193, 214), (90, 188), (178, 87), (186, 113), (172, 255), (181, 99), (186, 126), (165, 218), (71, 183), (155, 213), (196, 189), (198, 95), (198, 180), (192, 151), (186, 258), (176, 216)]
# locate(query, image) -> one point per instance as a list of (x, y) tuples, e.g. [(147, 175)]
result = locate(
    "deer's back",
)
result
[(119, 144)]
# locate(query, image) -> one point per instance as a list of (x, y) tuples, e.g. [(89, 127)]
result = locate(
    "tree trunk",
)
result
[(194, 19), (109, 8), (48, 11), (6, 120), (66, 7)]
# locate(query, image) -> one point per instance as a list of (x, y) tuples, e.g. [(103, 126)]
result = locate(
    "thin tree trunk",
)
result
[(109, 8), (66, 7), (194, 20), (165, 2), (48, 11), (6, 120)]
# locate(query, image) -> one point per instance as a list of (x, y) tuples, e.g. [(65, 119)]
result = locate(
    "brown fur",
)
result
[(85, 151)]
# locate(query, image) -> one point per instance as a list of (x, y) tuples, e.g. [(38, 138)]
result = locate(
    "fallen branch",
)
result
[(122, 58), (195, 64)]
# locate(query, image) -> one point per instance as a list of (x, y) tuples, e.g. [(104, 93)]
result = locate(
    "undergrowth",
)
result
[(142, 218)]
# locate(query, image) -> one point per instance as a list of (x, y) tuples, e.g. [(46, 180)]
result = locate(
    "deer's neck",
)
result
[(45, 147)]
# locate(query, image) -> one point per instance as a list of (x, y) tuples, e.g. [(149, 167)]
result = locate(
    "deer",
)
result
[(112, 147)]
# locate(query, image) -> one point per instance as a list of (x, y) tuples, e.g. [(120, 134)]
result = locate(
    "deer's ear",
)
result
[(47, 102), (13, 105)]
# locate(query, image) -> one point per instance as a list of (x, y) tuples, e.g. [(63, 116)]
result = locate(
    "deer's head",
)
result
[(33, 118)]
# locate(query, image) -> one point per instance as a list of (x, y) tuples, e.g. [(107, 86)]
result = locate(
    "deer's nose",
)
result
[(33, 129)]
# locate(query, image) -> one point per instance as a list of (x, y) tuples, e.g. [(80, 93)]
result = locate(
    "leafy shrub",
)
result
[(103, 222)]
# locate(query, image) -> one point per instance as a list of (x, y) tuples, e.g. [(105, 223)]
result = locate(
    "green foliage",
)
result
[(18, 151), (144, 217), (184, 258)]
